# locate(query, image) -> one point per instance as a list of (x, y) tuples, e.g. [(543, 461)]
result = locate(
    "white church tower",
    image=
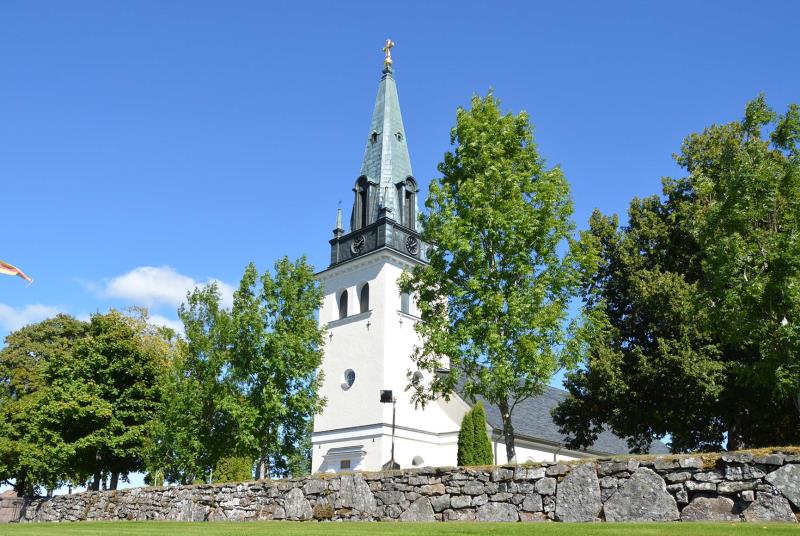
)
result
[(370, 325)]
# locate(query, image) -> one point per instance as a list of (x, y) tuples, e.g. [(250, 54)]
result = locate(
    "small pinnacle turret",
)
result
[(338, 230)]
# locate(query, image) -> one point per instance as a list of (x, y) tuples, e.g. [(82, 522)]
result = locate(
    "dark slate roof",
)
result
[(532, 419)]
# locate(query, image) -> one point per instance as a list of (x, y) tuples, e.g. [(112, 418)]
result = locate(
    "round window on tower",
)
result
[(348, 379)]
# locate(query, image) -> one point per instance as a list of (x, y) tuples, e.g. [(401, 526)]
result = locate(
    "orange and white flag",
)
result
[(10, 269)]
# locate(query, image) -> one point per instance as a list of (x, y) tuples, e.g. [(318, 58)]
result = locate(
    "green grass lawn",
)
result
[(131, 528)]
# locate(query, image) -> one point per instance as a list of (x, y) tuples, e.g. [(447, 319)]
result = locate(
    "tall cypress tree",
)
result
[(466, 440), (482, 453), (474, 447)]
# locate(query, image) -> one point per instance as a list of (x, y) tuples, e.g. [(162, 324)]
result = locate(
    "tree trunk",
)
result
[(114, 480), (508, 432), (734, 437), (261, 470), (96, 481)]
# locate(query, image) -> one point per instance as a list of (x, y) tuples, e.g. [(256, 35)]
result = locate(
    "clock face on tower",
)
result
[(412, 245), (357, 245)]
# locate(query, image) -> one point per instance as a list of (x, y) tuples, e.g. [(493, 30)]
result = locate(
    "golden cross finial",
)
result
[(388, 50)]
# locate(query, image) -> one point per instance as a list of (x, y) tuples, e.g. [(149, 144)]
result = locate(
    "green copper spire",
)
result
[(385, 215), (386, 165)]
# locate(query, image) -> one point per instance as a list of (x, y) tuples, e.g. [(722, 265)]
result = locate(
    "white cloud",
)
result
[(158, 320), (156, 285), (13, 318)]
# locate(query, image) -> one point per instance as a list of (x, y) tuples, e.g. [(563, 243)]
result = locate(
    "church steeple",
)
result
[(385, 175), (385, 202)]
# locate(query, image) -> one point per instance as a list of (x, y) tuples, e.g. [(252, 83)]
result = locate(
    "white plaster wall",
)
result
[(354, 342), (530, 451), (377, 345)]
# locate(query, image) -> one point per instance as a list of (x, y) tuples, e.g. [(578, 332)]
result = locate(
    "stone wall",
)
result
[(731, 487)]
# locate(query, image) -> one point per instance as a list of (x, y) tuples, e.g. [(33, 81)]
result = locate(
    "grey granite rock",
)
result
[(709, 476), (787, 480), (419, 510), (770, 459), (390, 497), (497, 512), (459, 515), (473, 488), (556, 470), (680, 476), (502, 473), (546, 486), (690, 463), (710, 509), (612, 467), (578, 495), (528, 473), (729, 488), (700, 486), (644, 497), (664, 464), (533, 517), (532, 503), (314, 486), (737, 457), (460, 501), (297, 506), (769, 507), (432, 489), (354, 493), (440, 502)]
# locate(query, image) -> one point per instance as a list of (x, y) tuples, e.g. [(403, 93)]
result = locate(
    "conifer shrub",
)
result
[(474, 447), (234, 469), (482, 445)]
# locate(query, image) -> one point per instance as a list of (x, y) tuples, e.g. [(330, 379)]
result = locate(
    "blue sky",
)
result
[(149, 146)]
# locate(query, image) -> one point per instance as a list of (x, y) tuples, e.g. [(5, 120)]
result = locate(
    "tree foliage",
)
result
[(233, 469), (494, 296), (197, 425), (277, 350), (78, 398), (692, 317), (33, 452), (244, 384), (474, 447)]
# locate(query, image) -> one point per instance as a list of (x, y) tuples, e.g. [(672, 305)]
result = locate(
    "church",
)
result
[(369, 421)]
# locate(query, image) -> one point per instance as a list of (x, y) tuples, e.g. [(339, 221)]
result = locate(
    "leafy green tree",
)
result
[(32, 451), (197, 424), (276, 351), (691, 318), (474, 447), (120, 363), (494, 296), (76, 399), (234, 469)]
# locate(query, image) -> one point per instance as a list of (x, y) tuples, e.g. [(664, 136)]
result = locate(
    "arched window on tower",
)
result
[(410, 203), (361, 204), (363, 298), (407, 202), (343, 304)]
